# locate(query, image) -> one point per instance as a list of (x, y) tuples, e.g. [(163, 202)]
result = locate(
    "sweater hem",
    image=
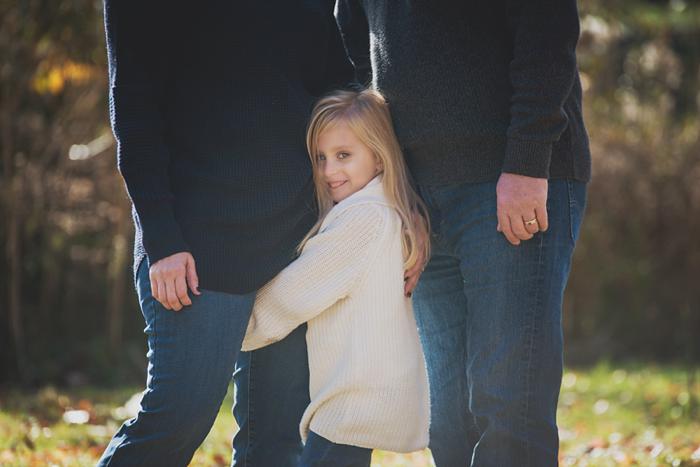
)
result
[(360, 443)]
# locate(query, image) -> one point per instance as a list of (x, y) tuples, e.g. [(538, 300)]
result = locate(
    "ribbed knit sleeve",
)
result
[(136, 39), (542, 73), (354, 30), (330, 266)]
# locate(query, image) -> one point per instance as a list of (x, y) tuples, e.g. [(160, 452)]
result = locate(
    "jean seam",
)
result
[(465, 391), (249, 407), (531, 348), (153, 310), (155, 333), (135, 276), (572, 208)]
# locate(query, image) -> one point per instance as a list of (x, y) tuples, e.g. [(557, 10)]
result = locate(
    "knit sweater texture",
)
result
[(209, 104), (475, 88), (368, 381)]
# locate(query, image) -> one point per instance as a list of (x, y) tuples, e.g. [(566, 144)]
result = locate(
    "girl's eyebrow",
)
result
[(340, 148)]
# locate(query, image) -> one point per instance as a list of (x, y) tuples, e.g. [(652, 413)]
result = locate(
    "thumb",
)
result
[(192, 279)]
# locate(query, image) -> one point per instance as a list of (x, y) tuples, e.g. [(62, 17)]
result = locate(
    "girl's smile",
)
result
[(345, 163)]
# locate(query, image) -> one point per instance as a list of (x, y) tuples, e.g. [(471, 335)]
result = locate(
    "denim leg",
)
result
[(513, 326), (191, 357), (320, 452), (440, 308), (272, 392)]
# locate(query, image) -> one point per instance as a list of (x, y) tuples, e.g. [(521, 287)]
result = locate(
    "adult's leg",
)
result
[(320, 452), (514, 336), (191, 357), (441, 313), (272, 392)]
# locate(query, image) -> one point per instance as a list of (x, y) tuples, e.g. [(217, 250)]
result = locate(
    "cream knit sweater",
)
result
[(368, 382)]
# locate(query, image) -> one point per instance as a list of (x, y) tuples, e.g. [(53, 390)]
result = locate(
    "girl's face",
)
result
[(345, 164)]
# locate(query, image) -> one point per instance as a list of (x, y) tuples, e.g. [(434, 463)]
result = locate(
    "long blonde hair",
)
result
[(367, 114)]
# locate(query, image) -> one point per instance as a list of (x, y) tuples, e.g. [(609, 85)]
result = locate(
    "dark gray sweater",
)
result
[(475, 88), (209, 104)]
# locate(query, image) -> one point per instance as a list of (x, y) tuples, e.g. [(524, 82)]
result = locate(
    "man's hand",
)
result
[(521, 206), (170, 278)]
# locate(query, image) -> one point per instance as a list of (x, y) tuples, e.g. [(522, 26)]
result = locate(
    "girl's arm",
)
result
[(327, 270)]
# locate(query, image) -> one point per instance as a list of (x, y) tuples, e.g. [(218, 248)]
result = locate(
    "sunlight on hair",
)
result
[(366, 112)]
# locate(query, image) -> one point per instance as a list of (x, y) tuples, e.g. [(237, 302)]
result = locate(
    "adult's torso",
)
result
[(237, 82), (444, 67)]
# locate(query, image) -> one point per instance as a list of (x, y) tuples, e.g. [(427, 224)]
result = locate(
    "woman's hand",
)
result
[(170, 278)]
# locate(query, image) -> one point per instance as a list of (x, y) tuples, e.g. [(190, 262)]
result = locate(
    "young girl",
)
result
[(368, 383)]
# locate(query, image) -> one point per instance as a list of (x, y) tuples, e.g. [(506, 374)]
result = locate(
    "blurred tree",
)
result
[(633, 291), (65, 215), (67, 306)]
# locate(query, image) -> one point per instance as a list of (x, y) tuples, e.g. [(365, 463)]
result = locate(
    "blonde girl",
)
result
[(368, 383)]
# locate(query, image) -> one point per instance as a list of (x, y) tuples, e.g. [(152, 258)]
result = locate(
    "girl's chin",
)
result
[(339, 195)]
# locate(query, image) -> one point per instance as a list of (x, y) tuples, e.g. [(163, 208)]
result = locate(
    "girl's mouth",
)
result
[(334, 185)]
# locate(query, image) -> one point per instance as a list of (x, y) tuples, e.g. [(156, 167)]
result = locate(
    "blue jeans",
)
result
[(320, 452), (191, 358), (272, 392), (489, 316)]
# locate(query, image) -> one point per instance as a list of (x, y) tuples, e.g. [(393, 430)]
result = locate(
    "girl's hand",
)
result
[(412, 275)]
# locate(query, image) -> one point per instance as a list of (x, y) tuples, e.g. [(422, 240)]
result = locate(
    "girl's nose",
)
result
[(329, 168)]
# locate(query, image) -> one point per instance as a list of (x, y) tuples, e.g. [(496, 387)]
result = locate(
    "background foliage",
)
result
[(67, 309)]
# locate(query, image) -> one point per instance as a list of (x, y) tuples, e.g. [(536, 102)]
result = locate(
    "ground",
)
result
[(609, 415)]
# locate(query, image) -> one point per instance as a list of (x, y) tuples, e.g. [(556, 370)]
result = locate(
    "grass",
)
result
[(608, 416)]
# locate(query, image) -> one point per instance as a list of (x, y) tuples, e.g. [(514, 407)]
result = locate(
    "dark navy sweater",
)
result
[(475, 88), (209, 103)]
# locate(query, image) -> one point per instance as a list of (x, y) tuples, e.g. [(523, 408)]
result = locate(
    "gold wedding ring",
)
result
[(532, 221)]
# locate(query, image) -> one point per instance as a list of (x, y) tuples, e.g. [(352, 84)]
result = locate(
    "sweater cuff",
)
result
[(162, 236), (529, 158)]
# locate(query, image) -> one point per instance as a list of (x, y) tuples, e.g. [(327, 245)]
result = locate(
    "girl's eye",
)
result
[(321, 157), (343, 155)]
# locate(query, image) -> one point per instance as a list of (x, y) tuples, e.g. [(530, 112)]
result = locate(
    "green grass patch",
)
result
[(608, 416)]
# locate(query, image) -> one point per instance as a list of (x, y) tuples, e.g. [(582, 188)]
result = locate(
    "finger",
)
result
[(504, 223), (518, 227), (411, 278), (153, 279), (154, 286), (542, 218), (181, 290), (163, 295), (192, 278), (172, 295), (415, 269), (532, 227), (411, 284)]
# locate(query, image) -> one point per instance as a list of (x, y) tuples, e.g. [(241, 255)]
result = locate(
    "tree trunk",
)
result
[(13, 201), (117, 280), (14, 248)]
